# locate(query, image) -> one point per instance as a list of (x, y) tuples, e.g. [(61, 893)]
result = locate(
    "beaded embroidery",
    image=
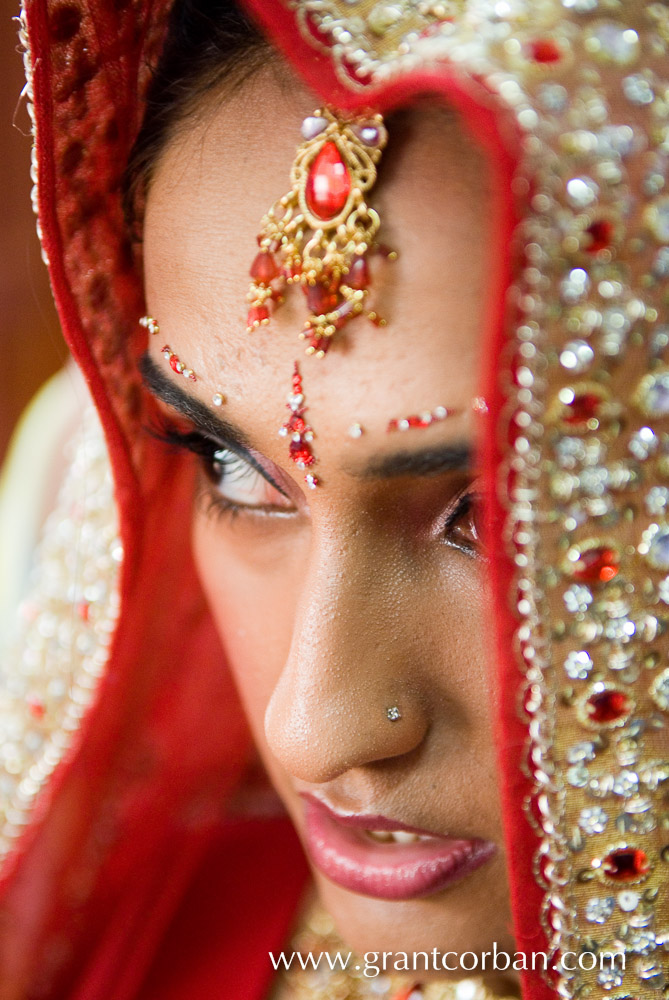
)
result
[(55, 663)]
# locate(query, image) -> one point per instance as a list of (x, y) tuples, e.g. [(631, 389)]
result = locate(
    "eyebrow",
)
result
[(453, 457), (162, 386)]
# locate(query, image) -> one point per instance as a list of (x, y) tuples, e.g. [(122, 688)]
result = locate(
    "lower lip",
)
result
[(348, 857)]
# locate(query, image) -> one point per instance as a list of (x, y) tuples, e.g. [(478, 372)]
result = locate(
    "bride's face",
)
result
[(366, 594)]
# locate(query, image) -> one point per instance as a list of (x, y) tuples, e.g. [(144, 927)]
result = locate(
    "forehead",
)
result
[(211, 188)]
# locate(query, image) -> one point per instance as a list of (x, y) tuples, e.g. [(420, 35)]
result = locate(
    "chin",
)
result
[(469, 917)]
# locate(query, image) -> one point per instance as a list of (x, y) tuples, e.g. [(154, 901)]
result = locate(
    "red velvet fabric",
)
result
[(130, 882)]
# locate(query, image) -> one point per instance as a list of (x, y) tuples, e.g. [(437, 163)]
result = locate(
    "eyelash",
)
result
[(212, 459), (232, 465)]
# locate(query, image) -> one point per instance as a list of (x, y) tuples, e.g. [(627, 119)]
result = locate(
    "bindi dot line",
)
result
[(175, 363), (421, 420)]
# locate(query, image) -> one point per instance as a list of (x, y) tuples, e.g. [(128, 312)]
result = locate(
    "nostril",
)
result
[(316, 736)]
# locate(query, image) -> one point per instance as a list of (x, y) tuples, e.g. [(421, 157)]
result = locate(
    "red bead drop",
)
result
[(264, 268), (607, 706), (256, 315), (328, 183), (174, 363), (321, 298), (545, 50), (583, 407), (627, 864), (597, 565), (358, 276), (601, 236)]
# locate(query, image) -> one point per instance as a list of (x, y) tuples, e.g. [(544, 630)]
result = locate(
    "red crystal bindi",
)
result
[(301, 453), (626, 864), (607, 706), (597, 565), (328, 184)]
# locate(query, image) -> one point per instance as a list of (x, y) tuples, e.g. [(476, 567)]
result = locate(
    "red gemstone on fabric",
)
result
[(321, 298), (257, 314), (601, 236), (358, 276), (608, 706), (626, 864), (583, 407), (36, 707), (328, 183), (597, 565), (301, 453), (545, 50), (264, 268)]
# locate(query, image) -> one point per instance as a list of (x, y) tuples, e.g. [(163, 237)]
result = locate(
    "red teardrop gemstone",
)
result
[(545, 50), (256, 316), (601, 236), (607, 706), (597, 565), (301, 453), (321, 298), (583, 407), (358, 276), (626, 864), (174, 364), (264, 268), (328, 183)]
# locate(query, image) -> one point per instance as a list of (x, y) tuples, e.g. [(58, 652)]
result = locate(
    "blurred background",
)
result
[(31, 345)]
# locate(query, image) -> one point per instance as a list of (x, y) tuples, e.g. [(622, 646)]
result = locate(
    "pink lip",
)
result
[(341, 851)]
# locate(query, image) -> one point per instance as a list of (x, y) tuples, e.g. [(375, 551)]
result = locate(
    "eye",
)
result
[(463, 528), (238, 484), (232, 483)]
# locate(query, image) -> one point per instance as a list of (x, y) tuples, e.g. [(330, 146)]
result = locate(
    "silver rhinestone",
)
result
[(638, 90), (593, 820), (575, 285), (577, 598), (598, 911), (578, 665), (643, 444), (582, 192)]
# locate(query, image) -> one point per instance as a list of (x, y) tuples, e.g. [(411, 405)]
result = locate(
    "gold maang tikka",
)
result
[(321, 233)]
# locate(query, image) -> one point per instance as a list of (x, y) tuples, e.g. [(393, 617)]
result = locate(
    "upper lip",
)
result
[(369, 821)]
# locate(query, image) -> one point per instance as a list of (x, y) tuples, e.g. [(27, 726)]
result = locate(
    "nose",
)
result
[(348, 694)]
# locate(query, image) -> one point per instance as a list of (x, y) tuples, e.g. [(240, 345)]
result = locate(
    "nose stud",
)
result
[(393, 713)]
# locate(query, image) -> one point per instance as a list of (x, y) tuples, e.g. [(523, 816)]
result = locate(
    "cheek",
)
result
[(253, 607)]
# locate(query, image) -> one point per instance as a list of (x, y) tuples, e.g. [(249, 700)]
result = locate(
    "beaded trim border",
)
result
[(52, 671)]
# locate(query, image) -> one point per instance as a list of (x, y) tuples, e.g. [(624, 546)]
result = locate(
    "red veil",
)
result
[(120, 877)]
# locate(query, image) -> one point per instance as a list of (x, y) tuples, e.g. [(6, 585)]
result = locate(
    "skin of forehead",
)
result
[(209, 192)]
